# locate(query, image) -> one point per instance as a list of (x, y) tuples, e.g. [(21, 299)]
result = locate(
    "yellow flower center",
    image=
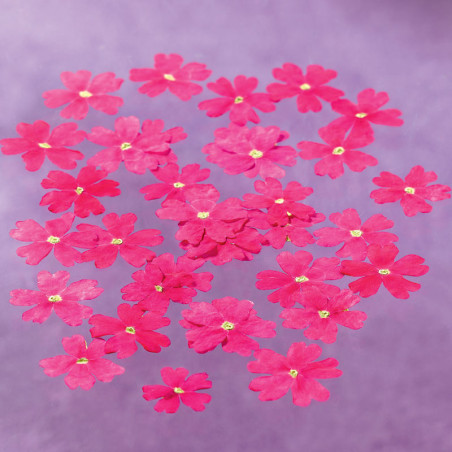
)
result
[(293, 373), (361, 115), (288, 214), (288, 239), (410, 190), (227, 325), (159, 288), (203, 215), (84, 94), (116, 241), (130, 330), (79, 190), (125, 146), (256, 154), (178, 390), (301, 279), (356, 233), (178, 185), (384, 271), (52, 239), (238, 100), (44, 145), (169, 77), (82, 361), (279, 201), (338, 151), (324, 314), (305, 86), (54, 298)]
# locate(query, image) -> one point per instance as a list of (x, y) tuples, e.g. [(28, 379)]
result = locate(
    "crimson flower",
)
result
[(297, 372), (83, 363), (53, 295), (132, 326), (81, 93), (338, 151), (174, 184), (226, 321), (47, 239), (298, 276), (79, 191), (170, 74), (179, 388), (163, 280), (366, 111), (383, 269), (104, 245), (412, 192), (126, 144), (37, 142), (252, 152), (239, 100), (308, 88), (354, 234), (322, 314)]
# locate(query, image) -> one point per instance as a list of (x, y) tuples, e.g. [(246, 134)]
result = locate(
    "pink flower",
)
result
[(104, 245), (81, 93), (132, 326), (126, 144), (47, 239), (412, 192), (366, 111), (354, 234), (297, 372), (80, 191), (156, 126), (37, 142), (53, 295), (226, 321), (252, 152), (174, 184), (338, 151), (163, 280), (383, 269), (179, 388), (170, 74), (239, 100), (322, 314), (308, 88), (298, 276), (83, 365)]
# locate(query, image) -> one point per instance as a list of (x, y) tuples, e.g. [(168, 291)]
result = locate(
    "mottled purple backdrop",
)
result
[(395, 393)]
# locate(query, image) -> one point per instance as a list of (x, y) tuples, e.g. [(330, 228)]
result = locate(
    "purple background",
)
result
[(395, 393)]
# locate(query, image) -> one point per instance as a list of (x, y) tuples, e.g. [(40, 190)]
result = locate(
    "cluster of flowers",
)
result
[(210, 230)]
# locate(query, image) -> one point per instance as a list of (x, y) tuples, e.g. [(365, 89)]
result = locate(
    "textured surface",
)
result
[(395, 391)]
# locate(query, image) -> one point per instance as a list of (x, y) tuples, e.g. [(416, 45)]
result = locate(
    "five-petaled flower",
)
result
[(354, 234), (226, 321), (104, 245), (83, 363), (53, 295), (338, 151), (308, 88), (80, 191), (298, 372), (321, 314), (52, 237), (81, 93), (132, 326), (179, 388), (412, 192), (37, 142), (239, 100), (383, 269), (170, 74)]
